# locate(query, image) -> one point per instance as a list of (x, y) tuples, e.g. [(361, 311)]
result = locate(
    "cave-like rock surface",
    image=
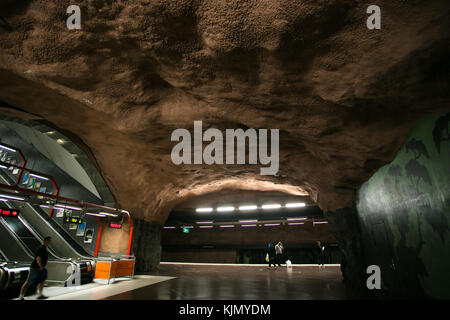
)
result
[(343, 96)]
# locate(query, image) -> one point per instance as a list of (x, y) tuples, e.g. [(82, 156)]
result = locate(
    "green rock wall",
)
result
[(404, 215)]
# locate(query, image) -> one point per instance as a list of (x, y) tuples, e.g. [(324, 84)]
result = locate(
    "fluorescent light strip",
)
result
[(295, 219), (6, 148), (271, 206), (321, 222), (225, 209), (247, 221), (247, 208), (67, 207), (187, 227), (11, 197), (3, 167), (295, 205), (248, 225), (204, 210), (296, 223), (271, 224), (108, 214), (227, 226), (95, 214), (169, 227), (3, 200), (204, 227), (36, 176), (204, 222)]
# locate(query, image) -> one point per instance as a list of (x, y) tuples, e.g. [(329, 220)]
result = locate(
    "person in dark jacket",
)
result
[(320, 251), (38, 273), (271, 254)]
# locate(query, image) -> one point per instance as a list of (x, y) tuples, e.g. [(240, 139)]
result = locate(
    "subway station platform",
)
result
[(187, 281)]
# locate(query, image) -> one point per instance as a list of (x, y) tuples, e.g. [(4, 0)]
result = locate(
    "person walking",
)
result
[(279, 253), (38, 273), (320, 255), (271, 255)]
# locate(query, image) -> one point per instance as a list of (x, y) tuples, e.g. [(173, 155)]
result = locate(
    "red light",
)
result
[(14, 213), (6, 212), (115, 225)]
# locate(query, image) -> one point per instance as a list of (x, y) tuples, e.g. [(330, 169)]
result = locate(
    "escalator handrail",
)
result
[(37, 236), (62, 232), (17, 238)]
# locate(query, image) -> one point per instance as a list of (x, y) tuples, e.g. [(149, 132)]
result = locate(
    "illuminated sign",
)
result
[(115, 225), (9, 212), (73, 220), (186, 230)]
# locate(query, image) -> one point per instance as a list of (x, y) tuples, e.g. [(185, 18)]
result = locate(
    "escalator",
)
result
[(63, 244), (29, 240), (11, 249)]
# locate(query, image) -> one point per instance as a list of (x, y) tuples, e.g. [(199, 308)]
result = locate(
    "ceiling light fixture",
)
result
[(295, 205), (11, 197), (204, 210), (225, 209), (108, 214), (6, 148), (271, 206), (248, 208), (67, 207), (39, 177), (94, 214)]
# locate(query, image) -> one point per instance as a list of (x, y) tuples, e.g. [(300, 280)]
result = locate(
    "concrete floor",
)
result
[(241, 282), (179, 281)]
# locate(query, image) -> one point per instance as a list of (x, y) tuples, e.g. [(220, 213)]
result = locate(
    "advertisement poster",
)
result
[(25, 178), (37, 186), (81, 229), (89, 235), (59, 213)]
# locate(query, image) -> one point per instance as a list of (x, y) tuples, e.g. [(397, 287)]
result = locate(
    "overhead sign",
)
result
[(9, 212), (115, 225), (76, 220)]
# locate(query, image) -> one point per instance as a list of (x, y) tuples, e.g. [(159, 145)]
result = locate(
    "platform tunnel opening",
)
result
[(363, 117)]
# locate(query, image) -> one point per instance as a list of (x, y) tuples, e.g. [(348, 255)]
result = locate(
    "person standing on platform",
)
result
[(279, 253), (320, 255), (271, 255), (38, 273)]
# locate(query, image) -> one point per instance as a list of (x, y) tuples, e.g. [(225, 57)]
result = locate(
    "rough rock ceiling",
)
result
[(343, 96)]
